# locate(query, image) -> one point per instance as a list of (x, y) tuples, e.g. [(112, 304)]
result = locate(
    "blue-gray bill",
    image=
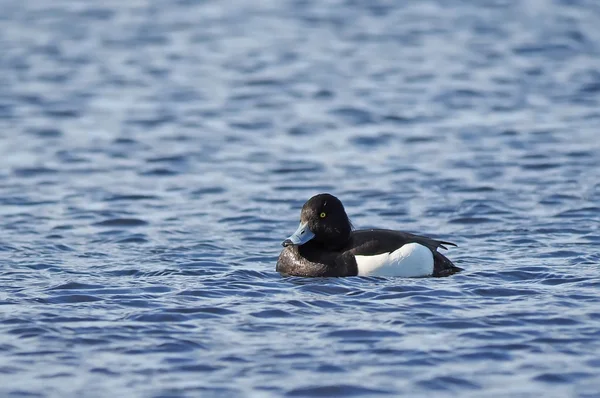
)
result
[(302, 235)]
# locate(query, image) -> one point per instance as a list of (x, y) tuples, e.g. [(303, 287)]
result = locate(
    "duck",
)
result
[(327, 245)]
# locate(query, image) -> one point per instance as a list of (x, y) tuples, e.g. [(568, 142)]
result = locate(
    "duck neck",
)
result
[(337, 241)]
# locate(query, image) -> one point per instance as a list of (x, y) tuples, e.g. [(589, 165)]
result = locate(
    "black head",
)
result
[(323, 220)]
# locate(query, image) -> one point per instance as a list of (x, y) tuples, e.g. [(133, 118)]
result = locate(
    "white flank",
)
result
[(410, 261)]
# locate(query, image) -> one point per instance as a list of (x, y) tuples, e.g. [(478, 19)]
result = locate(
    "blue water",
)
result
[(154, 154)]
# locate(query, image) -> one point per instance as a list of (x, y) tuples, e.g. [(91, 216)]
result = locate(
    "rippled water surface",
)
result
[(155, 153)]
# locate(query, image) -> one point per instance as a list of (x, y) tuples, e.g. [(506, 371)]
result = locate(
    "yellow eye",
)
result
[(323, 215)]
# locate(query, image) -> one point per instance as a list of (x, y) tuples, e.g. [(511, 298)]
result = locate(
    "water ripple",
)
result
[(155, 156)]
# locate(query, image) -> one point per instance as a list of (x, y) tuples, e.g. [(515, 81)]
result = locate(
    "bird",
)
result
[(326, 245)]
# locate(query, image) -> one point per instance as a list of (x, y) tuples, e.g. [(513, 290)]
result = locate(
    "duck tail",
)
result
[(442, 266)]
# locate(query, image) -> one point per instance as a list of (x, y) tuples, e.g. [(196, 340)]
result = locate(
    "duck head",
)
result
[(323, 221)]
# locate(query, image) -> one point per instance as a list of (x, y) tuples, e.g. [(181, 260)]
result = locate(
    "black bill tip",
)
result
[(286, 243)]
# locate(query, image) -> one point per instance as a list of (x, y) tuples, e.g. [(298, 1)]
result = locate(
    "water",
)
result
[(154, 154)]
